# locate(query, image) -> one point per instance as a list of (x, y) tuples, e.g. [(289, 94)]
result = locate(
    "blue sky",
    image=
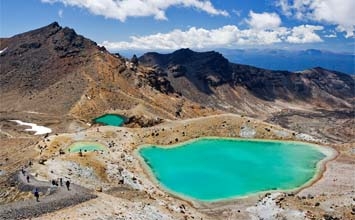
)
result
[(198, 24)]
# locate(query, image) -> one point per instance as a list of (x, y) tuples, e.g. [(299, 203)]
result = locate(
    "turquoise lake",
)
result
[(215, 169), (110, 119)]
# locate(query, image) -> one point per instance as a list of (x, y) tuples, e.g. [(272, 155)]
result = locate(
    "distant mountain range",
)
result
[(293, 60)]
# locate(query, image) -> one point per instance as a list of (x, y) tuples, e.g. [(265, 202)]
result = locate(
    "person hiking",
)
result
[(54, 183), (28, 178), (36, 194), (61, 181), (67, 183)]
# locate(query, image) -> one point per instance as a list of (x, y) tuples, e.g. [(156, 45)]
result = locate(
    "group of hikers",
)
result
[(67, 183), (24, 173), (54, 183)]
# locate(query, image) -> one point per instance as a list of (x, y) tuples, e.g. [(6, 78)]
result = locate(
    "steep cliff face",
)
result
[(197, 74)]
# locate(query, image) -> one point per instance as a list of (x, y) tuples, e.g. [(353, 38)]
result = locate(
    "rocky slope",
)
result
[(38, 64), (55, 71), (208, 78), (58, 77), (54, 77)]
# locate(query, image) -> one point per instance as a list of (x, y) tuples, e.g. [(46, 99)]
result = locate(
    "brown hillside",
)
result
[(53, 70)]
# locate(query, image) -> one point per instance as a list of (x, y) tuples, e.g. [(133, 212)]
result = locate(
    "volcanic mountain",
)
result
[(210, 79), (55, 71)]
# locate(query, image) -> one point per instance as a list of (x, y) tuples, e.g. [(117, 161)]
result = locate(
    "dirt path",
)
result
[(52, 198)]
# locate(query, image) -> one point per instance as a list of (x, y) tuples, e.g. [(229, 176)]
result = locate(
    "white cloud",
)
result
[(226, 36), (330, 36), (263, 20), (285, 7), (339, 13), (304, 34), (121, 9)]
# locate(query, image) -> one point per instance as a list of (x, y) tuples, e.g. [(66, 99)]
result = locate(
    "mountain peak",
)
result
[(183, 51), (47, 30), (186, 56), (65, 41), (189, 52), (54, 25), (40, 56)]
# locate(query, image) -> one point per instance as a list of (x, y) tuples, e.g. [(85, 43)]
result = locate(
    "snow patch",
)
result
[(34, 127), (2, 51)]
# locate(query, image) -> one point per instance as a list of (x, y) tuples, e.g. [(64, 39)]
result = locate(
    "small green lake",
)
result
[(110, 119), (86, 147), (211, 169)]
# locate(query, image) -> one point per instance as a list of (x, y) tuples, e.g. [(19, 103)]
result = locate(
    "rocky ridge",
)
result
[(39, 66), (210, 75)]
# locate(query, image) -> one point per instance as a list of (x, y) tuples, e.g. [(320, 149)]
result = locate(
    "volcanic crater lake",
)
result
[(110, 119), (210, 169)]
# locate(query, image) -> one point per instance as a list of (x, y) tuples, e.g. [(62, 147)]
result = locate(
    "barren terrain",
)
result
[(56, 78)]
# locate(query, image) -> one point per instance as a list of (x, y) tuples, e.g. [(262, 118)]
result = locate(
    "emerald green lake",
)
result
[(85, 147), (214, 169), (110, 119)]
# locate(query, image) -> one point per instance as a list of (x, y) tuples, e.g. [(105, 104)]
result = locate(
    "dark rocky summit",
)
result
[(202, 69), (38, 63), (56, 71), (41, 55), (210, 73)]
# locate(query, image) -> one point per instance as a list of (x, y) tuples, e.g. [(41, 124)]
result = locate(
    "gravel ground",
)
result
[(52, 198)]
